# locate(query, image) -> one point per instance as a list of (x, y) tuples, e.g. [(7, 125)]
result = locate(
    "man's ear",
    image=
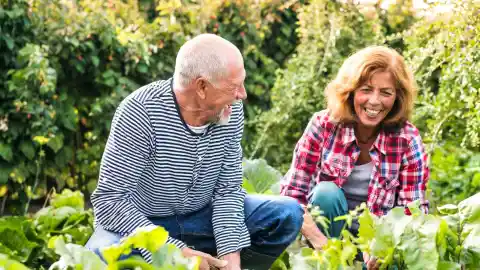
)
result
[(201, 87)]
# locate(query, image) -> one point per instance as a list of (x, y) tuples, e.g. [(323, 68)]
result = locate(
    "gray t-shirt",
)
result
[(356, 188)]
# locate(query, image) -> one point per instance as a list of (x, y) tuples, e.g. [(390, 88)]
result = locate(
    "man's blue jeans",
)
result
[(273, 222)]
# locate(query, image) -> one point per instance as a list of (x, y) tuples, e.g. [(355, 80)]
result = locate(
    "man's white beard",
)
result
[(223, 120)]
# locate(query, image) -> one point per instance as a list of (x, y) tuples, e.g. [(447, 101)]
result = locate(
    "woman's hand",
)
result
[(371, 262), (311, 232)]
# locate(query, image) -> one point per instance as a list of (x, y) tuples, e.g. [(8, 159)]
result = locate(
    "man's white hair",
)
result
[(207, 56)]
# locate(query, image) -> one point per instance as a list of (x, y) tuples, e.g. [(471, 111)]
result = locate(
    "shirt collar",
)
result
[(348, 136)]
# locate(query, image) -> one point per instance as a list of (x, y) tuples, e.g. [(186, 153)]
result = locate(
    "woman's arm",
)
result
[(296, 184)]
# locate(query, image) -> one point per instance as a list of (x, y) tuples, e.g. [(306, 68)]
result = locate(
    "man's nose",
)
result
[(241, 93)]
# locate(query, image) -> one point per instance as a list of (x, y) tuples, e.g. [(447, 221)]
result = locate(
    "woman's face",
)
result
[(374, 100)]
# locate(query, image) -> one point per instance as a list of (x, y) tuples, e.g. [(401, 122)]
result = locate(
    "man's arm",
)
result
[(129, 147), (231, 234)]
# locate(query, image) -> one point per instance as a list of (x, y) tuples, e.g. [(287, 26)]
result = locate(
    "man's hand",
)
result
[(311, 232), (233, 260), (207, 260), (371, 262)]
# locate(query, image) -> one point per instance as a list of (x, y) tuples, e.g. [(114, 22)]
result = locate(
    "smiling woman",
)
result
[(362, 148)]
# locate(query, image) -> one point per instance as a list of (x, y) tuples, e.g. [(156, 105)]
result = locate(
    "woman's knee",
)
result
[(328, 196)]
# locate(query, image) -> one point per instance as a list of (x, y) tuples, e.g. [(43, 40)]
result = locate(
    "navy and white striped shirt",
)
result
[(154, 165)]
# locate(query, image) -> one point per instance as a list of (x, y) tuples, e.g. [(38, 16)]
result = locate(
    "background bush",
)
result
[(66, 65)]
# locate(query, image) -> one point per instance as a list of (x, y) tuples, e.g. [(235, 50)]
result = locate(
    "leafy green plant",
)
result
[(164, 256), (455, 174), (329, 31), (259, 177), (6, 263), (67, 65), (443, 49), (25, 238)]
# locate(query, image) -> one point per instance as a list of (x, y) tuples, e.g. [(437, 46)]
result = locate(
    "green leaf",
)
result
[(418, 243), (444, 265), (249, 188), (448, 209), (63, 156), (56, 143), (260, 175), (142, 68), (150, 238), (168, 256), (5, 171), (75, 256), (12, 236), (95, 60), (6, 263), (6, 151), (27, 149), (74, 199), (9, 41)]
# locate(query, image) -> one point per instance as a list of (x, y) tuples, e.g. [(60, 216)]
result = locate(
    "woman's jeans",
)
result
[(273, 222)]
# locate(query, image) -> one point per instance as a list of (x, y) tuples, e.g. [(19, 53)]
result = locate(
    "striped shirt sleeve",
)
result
[(129, 147), (228, 220)]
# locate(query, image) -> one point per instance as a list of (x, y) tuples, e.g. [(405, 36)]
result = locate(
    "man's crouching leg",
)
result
[(102, 238), (274, 222)]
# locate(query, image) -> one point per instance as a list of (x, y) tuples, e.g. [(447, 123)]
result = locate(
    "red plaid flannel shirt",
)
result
[(327, 151)]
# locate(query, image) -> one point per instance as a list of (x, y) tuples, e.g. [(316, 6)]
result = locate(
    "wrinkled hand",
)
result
[(311, 232), (207, 260), (233, 260), (371, 262)]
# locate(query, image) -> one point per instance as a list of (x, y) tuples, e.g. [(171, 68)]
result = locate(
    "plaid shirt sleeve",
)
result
[(306, 156), (414, 175)]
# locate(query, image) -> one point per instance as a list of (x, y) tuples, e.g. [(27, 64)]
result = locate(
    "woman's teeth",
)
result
[(371, 113)]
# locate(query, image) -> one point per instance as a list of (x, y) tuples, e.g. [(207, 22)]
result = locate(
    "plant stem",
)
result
[(4, 201), (37, 174)]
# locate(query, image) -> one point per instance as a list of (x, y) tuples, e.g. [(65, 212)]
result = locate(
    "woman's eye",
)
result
[(365, 89), (386, 93)]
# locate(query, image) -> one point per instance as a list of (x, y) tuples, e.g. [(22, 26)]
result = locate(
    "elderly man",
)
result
[(173, 159)]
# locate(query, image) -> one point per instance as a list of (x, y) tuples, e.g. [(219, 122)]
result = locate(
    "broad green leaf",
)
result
[(470, 209), (50, 218), (70, 198), (448, 209), (113, 252), (168, 256), (56, 143), (418, 243), (6, 151), (9, 264), (260, 175), (366, 231), (12, 236), (27, 149), (5, 170), (95, 60), (249, 188), (75, 256), (445, 265), (399, 221), (150, 238)]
